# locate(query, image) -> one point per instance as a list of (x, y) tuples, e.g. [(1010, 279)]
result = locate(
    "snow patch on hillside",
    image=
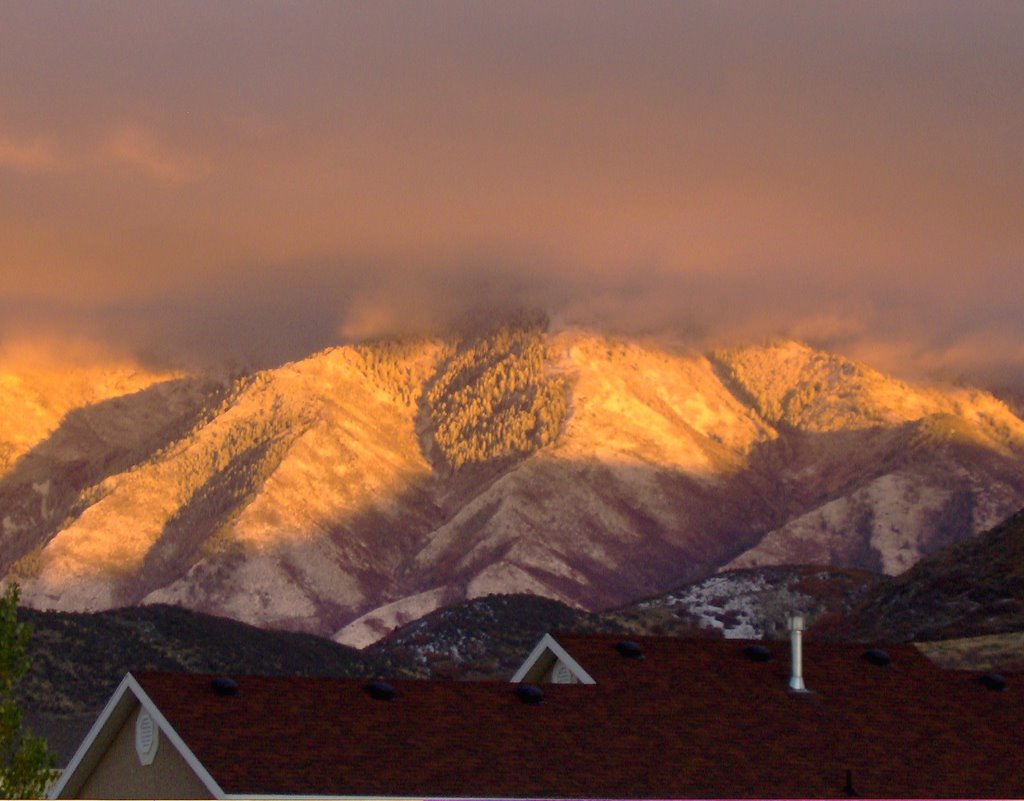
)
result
[(735, 604)]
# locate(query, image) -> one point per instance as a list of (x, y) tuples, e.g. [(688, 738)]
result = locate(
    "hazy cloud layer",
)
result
[(254, 180)]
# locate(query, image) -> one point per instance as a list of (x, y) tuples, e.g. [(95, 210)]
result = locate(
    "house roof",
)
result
[(691, 718)]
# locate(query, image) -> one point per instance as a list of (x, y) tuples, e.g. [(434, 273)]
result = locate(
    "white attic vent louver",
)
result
[(561, 674), (147, 738)]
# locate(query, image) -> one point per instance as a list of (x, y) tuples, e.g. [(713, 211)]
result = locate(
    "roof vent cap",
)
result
[(224, 686), (529, 693), (878, 657), (629, 649), (757, 653), (994, 681), (379, 690)]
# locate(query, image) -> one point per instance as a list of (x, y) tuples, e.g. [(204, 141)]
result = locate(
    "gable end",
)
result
[(548, 656), (116, 723)]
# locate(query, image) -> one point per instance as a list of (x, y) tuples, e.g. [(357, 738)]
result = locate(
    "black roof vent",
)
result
[(994, 681), (529, 693), (379, 690), (757, 653), (878, 657), (629, 649), (224, 687)]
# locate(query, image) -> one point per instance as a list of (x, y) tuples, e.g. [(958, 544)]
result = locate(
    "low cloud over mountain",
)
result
[(202, 183)]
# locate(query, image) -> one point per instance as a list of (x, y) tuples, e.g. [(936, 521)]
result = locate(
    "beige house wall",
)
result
[(119, 774)]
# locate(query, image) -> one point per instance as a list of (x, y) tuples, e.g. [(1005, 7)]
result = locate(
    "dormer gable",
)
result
[(550, 663)]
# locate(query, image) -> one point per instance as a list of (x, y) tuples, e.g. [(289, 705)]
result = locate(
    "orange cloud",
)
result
[(845, 174), (139, 149), (31, 156), (48, 350)]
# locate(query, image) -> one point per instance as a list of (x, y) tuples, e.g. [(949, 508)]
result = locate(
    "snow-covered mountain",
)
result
[(360, 488)]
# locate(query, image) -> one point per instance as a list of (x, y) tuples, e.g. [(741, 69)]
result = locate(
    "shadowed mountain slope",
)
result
[(973, 588)]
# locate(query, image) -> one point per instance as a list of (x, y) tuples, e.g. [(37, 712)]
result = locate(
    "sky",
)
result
[(247, 181)]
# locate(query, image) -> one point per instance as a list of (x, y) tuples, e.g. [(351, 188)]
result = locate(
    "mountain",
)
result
[(356, 490), (38, 390), (917, 468), (970, 589)]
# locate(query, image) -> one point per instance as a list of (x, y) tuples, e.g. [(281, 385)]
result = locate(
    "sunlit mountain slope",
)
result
[(884, 471), (644, 484), (38, 390), (66, 427), (362, 487)]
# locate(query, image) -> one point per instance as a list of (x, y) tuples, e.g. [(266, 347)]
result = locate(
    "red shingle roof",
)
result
[(692, 718)]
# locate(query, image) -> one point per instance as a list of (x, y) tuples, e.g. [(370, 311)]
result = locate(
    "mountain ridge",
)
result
[(349, 492)]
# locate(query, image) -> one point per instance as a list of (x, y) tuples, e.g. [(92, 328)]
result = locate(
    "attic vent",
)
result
[(380, 690), (629, 649), (757, 653), (561, 674), (994, 681), (878, 657), (224, 687), (146, 738), (529, 693)]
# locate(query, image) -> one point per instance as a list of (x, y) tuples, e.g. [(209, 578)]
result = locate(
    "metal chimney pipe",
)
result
[(796, 628)]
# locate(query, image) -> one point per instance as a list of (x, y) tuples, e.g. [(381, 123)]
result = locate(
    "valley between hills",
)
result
[(359, 489)]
